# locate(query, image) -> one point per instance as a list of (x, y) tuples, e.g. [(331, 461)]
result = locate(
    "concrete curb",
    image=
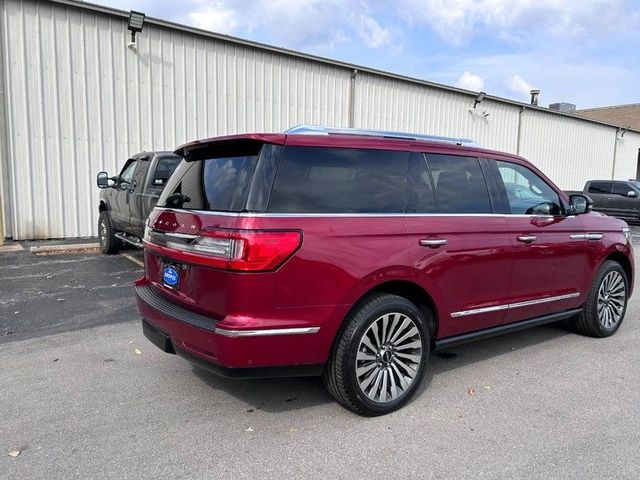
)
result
[(70, 248)]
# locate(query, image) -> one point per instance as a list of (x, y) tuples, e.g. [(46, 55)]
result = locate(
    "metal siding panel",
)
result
[(569, 151), (80, 101), (628, 156), (383, 103)]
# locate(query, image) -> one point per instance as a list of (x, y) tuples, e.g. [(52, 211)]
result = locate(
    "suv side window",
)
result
[(420, 197), (600, 187), (459, 184), (340, 180), (528, 193), (621, 188)]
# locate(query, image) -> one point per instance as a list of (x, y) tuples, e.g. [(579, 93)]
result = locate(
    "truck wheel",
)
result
[(379, 358), (109, 244), (606, 302)]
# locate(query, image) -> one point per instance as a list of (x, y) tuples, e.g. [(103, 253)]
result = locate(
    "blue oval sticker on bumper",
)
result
[(170, 276)]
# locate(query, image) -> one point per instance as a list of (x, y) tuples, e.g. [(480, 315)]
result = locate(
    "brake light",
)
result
[(236, 250)]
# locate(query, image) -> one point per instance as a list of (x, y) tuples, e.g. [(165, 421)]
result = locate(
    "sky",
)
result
[(585, 52)]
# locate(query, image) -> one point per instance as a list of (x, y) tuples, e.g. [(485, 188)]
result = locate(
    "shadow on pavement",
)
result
[(279, 395)]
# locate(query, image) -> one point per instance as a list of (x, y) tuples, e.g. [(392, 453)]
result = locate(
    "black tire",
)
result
[(340, 376), (590, 322), (109, 244)]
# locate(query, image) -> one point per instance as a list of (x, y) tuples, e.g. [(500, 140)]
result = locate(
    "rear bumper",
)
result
[(232, 353)]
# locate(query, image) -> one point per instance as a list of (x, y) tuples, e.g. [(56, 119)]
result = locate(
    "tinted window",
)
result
[(420, 197), (621, 188), (340, 180), (459, 184), (164, 169), (219, 183), (600, 187), (527, 192)]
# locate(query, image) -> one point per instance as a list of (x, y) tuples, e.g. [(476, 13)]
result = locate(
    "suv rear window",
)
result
[(218, 183), (165, 167), (340, 180)]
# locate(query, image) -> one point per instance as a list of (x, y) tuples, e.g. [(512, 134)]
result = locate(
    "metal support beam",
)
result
[(615, 154), (519, 137), (4, 137), (352, 99)]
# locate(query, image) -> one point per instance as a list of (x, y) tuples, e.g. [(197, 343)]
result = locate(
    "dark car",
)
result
[(353, 254), (127, 199), (618, 198)]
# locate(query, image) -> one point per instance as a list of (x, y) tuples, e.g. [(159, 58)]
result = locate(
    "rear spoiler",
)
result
[(226, 146)]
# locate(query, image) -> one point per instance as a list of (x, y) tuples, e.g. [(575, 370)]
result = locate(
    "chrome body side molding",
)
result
[(508, 306)]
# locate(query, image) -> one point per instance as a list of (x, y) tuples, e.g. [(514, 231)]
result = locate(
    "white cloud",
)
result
[(518, 85), (458, 20), (217, 18), (369, 30), (303, 24), (470, 81)]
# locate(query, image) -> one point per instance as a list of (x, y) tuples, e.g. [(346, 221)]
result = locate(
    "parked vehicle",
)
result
[(618, 198), (353, 254), (127, 199)]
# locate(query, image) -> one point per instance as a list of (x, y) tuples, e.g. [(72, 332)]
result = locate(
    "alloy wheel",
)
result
[(388, 358), (611, 299)]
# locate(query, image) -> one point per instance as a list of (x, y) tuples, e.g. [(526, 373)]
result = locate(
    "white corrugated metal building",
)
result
[(75, 100)]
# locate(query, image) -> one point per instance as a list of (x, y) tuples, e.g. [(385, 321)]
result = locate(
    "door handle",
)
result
[(526, 238), (433, 243)]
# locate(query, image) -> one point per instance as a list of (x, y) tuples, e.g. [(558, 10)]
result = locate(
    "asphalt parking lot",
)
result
[(84, 395)]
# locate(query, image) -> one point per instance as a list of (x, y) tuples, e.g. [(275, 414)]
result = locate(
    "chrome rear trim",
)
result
[(266, 333)]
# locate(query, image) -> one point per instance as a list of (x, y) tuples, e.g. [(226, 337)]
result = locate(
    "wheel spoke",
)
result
[(365, 341), (374, 389), (383, 326), (412, 332), (365, 369), (409, 356), (406, 346), (406, 323), (383, 389)]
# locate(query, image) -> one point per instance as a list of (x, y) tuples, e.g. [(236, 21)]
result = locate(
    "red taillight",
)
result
[(237, 250)]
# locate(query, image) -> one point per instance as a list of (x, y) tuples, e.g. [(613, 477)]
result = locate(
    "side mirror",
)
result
[(631, 193), (103, 180), (579, 204)]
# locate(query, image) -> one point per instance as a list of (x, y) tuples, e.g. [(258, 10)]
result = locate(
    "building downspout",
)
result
[(615, 154), (352, 98), (519, 138)]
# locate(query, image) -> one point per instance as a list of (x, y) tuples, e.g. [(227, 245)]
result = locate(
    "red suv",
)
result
[(352, 254)]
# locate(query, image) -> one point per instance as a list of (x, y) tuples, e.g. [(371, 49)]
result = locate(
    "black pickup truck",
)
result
[(127, 199), (617, 198)]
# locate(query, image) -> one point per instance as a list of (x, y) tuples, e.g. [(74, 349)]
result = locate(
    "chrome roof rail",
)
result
[(320, 130)]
